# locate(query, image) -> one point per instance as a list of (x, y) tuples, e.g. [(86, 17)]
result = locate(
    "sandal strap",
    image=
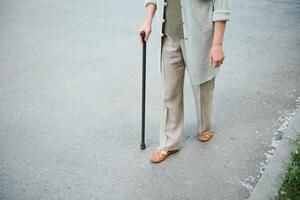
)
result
[(207, 133)]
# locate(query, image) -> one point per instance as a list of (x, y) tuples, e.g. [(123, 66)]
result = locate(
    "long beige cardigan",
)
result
[(198, 17)]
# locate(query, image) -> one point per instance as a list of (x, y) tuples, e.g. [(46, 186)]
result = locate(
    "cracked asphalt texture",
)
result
[(70, 109)]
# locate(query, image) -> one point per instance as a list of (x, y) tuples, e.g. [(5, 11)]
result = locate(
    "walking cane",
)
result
[(143, 145)]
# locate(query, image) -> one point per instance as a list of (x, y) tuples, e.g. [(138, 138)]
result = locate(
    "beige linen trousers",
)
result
[(172, 75)]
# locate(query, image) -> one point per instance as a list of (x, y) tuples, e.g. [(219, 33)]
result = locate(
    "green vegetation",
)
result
[(290, 189)]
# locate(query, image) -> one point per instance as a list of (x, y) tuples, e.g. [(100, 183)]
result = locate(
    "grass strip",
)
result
[(290, 189)]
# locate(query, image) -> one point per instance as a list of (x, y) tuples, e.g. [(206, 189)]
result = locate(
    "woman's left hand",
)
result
[(216, 56)]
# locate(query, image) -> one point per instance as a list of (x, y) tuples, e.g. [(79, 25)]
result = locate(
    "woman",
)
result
[(192, 33)]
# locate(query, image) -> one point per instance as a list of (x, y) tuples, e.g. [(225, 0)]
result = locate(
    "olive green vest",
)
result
[(173, 19)]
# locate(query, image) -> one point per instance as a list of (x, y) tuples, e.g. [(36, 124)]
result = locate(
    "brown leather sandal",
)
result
[(205, 136), (160, 155)]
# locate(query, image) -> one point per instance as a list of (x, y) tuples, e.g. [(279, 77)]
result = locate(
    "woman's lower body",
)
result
[(172, 114)]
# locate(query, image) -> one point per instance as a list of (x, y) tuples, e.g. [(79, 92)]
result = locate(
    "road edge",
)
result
[(272, 178)]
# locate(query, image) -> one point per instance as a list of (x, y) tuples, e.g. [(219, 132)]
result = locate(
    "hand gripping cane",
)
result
[(143, 145)]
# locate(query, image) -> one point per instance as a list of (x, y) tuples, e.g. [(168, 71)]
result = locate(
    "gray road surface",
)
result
[(70, 89)]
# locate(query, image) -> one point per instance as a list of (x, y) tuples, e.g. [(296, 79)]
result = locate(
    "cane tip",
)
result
[(143, 146)]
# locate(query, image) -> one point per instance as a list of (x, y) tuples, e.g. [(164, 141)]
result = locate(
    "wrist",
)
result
[(148, 22), (217, 46)]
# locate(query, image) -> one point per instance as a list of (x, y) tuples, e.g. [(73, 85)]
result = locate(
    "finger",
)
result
[(215, 64), (147, 36), (140, 39), (223, 60)]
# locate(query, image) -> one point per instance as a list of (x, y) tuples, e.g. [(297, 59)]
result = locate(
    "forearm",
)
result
[(219, 30), (151, 9)]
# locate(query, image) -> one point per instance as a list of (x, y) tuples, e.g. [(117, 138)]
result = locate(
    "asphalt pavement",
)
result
[(70, 109)]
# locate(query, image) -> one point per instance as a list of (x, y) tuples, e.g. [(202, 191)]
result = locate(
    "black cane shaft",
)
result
[(143, 146)]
